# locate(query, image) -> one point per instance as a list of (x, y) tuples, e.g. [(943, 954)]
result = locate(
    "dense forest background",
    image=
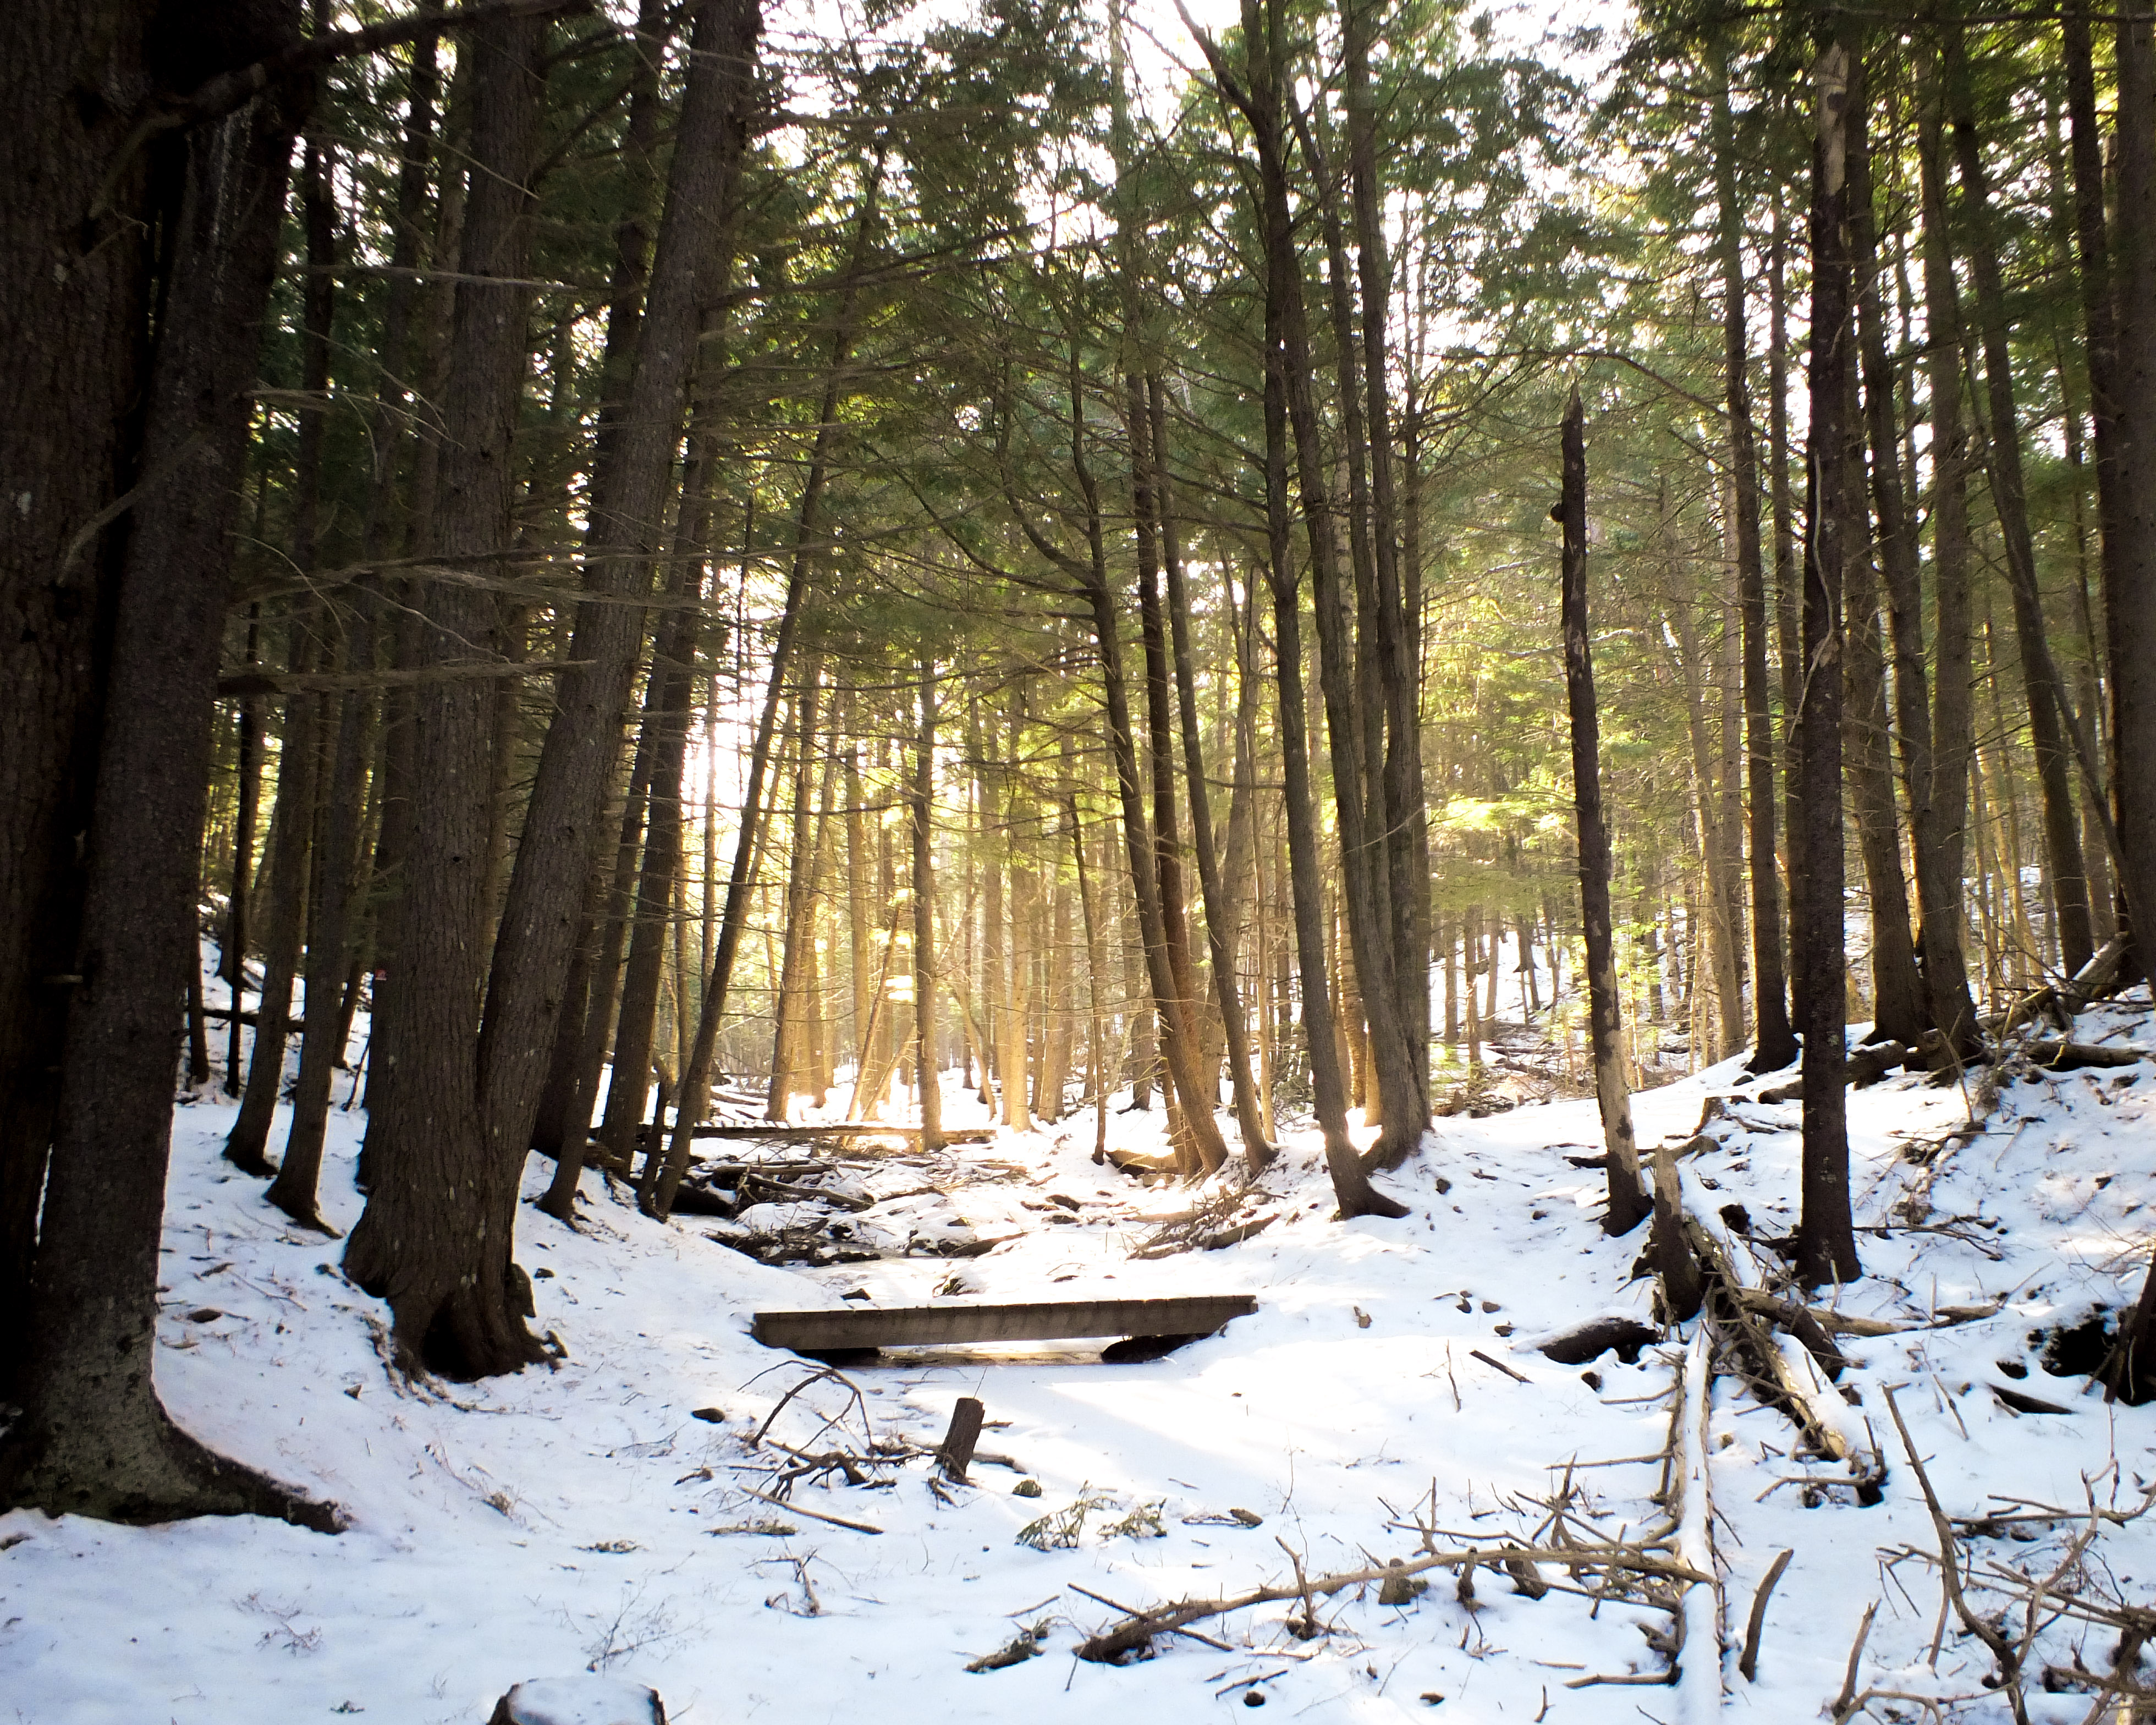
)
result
[(662, 546)]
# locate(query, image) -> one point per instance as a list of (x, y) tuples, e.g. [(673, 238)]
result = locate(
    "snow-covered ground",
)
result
[(594, 1517)]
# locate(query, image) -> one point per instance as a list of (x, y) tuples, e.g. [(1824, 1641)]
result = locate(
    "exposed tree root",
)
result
[(144, 1471)]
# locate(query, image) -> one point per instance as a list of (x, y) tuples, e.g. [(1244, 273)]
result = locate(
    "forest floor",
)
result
[(596, 1517)]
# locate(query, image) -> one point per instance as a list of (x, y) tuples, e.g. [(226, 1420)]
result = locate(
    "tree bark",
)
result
[(334, 895), (1365, 889), (593, 991), (788, 1041), (2130, 599), (1405, 834), (2097, 278), (1935, 742), (665, 733), (75, 302), (291, 848), (655, 1189), (1262, 105), (921, 808), (1628, 1202), (1258, 1153), (1724, 932), (1775, 1043), (1179, 1048), (1826, 1239), (232, 962), (1179, 1019), (2050, 714), (436, 1237), (92, 1436), (538, 923)]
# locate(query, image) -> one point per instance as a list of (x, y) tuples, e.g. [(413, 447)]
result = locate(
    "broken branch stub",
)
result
[(956, 1453)]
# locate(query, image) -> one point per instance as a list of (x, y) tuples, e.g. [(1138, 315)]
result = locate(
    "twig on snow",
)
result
[(2003, 1650), (1747, 1662)]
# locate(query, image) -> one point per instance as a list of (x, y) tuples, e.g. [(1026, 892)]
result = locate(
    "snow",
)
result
[(592, 1519)]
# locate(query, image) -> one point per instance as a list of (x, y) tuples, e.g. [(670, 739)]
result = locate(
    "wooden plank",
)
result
[(1041, 1321)]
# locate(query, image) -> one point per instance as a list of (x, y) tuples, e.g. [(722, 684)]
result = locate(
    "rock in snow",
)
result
[(579, 1701)]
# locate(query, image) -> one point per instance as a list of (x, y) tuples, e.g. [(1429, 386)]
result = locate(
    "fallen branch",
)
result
[(2002, 1649), (225, 1014), (787, 1192), (1832, 1323), (1141, 1626), (1747, 1662), (814, 1515), (1517, 1377), (1117, 1605), (1846, 1703)]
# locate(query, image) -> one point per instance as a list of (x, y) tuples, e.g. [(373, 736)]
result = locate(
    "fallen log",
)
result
[(790, 1133), (1868, 1063), (1040, 1320), (1750, 1335), (2092, 981), (2059, 1054), (1871, 1062)]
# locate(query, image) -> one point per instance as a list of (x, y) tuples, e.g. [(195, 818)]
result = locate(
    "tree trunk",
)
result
[(538, 923), (2130, 597), (656, 1188), (1898, 1005), (1628, 1202), (232, 962), (1262, 105), (1099, 1076), (1723, 933), (436, 1239), (1180, 1017), (1935, 743), (291, 847), (789, 1051), (670, 685), (2097, 279), (2050, 715), (859, 932), (593, 990), (334, 895), (1012, 1005), (74, 305), (1898, 1013), (92, 1436), (920, 805), (1258, 1153), (1775, 1043), (1826, 1239), (1176, 1043)]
